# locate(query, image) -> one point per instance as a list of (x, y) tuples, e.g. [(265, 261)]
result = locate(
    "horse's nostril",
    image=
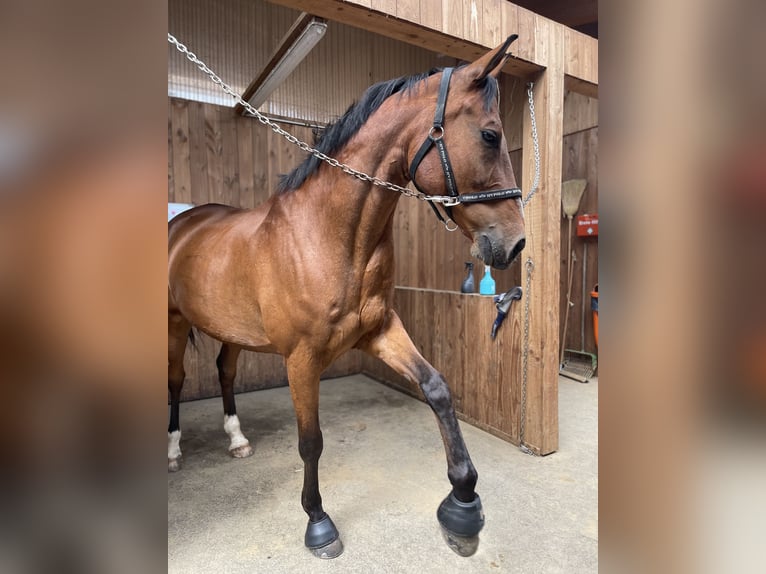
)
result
[(518, 247)]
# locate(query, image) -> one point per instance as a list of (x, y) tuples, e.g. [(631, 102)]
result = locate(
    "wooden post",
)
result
[(543, 215)]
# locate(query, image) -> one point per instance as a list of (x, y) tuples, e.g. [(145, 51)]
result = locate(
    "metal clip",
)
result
[(432, 131), (447, 227)]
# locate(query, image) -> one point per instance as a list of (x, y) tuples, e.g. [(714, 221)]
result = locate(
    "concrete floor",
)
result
[(382, 476)]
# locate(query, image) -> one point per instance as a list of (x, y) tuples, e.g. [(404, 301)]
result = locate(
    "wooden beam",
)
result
[(452, 38), (451, 27), (543, 244)]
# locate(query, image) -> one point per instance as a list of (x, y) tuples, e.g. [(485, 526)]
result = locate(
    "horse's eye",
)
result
[(490, 137)]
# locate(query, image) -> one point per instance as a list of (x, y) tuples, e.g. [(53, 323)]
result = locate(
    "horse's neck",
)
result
[(363, 209)]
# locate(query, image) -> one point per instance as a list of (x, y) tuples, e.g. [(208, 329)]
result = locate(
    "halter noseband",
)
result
[(435, 137)]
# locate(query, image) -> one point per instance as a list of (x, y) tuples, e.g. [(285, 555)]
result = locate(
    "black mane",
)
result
[(337, 134)]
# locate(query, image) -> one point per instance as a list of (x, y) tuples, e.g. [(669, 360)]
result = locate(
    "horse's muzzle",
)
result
[(494, 252)]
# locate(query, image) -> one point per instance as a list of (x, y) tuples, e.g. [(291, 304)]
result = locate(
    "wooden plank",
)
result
[(171, 174), (408, 10), (387, 6), (262, 184), (472, 20), (197, 153), (513, 108), (230, 157), (581, 56), (509, 21), (273, 160), (491, 18), (452, 14), (580, 113), (431, 14), (246, 162), (525, 45), (581, 86), (543, 245), (181, 151), (214, 151)]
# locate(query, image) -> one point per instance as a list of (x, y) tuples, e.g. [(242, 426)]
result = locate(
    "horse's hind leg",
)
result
[(227, 371), (322, 537), (178, 331), (460, 514)]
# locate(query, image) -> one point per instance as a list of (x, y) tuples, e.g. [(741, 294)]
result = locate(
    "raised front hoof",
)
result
[(461, 545), (241, 451), (174, 464), (461, 523), (332, 550), (323, 539)]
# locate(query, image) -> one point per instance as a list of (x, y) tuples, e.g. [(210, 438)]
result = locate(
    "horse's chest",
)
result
[(372, 312), (376, 297)]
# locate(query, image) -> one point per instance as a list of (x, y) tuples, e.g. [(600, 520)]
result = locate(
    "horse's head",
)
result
[(478, 160)]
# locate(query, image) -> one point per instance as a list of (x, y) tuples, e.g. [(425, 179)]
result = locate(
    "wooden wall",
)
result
[(217, 156), (580, 162)]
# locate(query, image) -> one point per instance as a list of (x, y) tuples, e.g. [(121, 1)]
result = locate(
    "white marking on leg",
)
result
[(174, 445), (231, 426)]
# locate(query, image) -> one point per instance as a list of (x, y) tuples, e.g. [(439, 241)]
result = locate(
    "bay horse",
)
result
[(309, 274)]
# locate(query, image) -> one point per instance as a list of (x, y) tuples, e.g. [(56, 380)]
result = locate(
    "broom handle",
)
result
[(569, 288), (569, 255)]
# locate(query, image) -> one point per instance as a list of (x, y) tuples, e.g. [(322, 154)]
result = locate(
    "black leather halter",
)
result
[(436, 138)]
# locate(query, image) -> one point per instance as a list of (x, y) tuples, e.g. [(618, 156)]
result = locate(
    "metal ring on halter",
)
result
[(447, 227), (433, 129)]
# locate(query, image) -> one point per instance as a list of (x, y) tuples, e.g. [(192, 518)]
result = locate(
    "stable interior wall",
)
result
[(580, 161)]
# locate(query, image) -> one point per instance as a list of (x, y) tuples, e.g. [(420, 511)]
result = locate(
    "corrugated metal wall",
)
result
[(236, 37)]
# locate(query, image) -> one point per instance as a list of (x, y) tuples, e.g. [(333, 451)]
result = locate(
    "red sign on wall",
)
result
[(587, 225)]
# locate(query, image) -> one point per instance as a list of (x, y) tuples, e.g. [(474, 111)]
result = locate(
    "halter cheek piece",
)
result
[(436, 138)]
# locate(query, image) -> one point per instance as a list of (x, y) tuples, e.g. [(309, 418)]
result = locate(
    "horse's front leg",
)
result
[(460, 514), (322, 538)]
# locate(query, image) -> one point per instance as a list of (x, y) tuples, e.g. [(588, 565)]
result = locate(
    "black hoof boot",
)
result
[(323, 539), (461, 523)]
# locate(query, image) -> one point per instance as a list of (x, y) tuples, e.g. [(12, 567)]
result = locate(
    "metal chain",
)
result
[(535, 145), (443, 199), (530, 266), (525, 359)]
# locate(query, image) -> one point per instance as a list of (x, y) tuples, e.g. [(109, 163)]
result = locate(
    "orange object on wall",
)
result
[(594, 307), (587, 225)]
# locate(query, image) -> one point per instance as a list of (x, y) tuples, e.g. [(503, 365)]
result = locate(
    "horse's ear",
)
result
[(490, 63)]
